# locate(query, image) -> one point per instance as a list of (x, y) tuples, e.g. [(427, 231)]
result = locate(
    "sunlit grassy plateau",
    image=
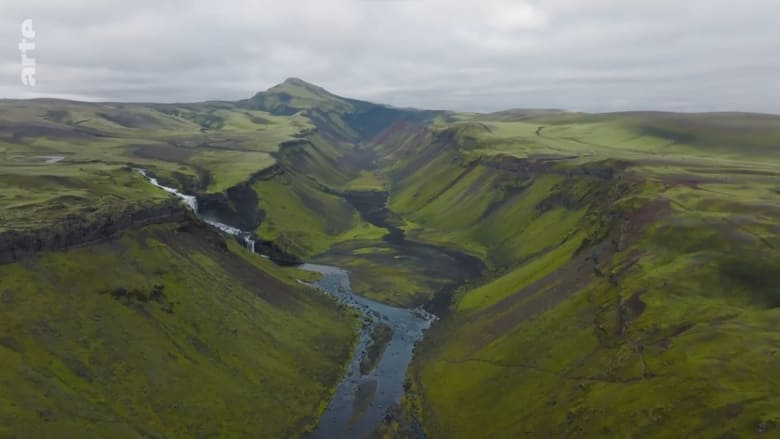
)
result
[(597, 275)]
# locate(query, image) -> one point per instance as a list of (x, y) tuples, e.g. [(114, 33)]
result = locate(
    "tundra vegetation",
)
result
[(595, 274)]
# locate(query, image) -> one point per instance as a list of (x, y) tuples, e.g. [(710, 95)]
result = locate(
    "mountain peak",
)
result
[(295, 94), (297, 83)]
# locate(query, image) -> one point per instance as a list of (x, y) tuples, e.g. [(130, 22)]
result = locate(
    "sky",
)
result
[(487, 55)]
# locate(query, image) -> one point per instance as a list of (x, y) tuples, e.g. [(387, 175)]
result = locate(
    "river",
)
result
[(363, 398), (374, 380)]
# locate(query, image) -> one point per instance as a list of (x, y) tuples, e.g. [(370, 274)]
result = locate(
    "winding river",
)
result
[(373, 382)]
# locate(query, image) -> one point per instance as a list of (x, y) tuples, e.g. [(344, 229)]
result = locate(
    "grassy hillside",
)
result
[(301, 199), (206, 147), (166, 331), (708, 137), (151, 309), (37, 195), (628, 297)]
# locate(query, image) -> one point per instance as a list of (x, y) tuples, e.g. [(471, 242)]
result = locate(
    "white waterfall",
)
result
[(192, 203), (190, 200)]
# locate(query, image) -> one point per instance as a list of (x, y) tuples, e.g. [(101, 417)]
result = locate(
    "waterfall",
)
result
[(192, 203), (190, 200)]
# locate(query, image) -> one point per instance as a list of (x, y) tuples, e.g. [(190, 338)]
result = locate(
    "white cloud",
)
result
[(480, 55)]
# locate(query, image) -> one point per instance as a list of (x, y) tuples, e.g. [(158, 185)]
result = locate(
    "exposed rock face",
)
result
[(276, 253), (237, 207), (76, 230)]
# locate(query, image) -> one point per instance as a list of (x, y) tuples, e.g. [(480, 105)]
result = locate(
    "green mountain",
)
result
[(294, 95), (596, 275)]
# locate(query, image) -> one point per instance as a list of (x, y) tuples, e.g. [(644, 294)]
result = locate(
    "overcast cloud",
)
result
[(590, 55)]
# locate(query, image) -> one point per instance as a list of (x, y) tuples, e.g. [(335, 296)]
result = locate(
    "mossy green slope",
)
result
[(167, 331), (42, 196), (502, 209), (303, 220), (641, 301), (301, 199)]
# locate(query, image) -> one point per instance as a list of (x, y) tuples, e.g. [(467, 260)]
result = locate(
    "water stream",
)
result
[(362, 400), (363, 397)]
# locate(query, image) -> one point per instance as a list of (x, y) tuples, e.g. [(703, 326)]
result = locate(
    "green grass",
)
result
[(234, 346), (668, 328), (367, 181), (715, 136), (695, 358), (216, 146), (307, 221), (405, 275), (34, 196), (516, 280), (384, 273)]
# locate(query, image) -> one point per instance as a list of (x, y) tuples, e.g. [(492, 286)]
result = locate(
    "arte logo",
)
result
[(27, 44)]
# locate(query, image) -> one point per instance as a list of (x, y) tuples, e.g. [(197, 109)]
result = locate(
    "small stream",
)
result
[(363, 397), (47, 159)]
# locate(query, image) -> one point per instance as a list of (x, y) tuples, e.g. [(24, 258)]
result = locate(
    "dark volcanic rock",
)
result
[(237, 207), (80, 230)]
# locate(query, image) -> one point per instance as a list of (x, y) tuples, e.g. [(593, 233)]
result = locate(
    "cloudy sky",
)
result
[(590, 55)]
